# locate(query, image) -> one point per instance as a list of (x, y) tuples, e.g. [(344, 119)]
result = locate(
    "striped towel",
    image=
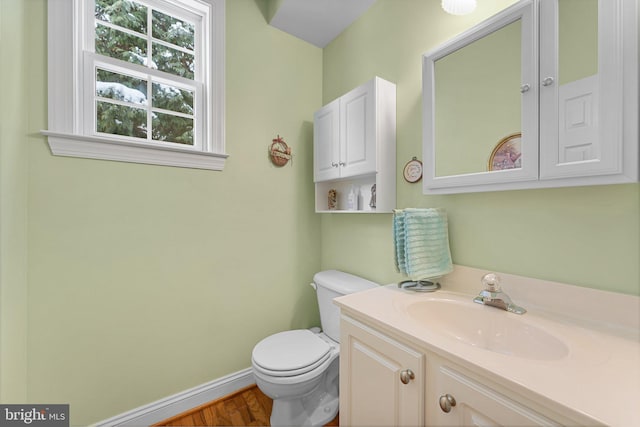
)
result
[(421, 243)]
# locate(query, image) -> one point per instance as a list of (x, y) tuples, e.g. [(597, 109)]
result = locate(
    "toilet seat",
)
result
[(290, 353)]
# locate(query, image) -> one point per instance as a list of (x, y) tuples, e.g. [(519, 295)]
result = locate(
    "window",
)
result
[(138, 81)]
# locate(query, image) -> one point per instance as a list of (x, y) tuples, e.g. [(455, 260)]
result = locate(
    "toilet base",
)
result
[(311, 403), (316, 409)]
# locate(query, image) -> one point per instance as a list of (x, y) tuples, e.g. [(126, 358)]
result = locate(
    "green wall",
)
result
[(587, 236), (13, 206), (125, 283)]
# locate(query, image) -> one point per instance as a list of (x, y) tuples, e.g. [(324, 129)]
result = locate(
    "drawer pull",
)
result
[(406, 376), (447, 402)]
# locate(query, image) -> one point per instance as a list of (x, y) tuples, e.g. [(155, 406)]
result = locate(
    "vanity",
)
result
[(543, 94), (415, 359)]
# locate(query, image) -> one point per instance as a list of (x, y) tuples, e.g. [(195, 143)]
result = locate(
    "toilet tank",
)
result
[(331, 284)]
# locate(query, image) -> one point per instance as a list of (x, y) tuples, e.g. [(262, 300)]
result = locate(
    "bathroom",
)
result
[(123, 283)]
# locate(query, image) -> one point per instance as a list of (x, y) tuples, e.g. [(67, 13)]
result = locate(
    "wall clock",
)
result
[(413, 170)]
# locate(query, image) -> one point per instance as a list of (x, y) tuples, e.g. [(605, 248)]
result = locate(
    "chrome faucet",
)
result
[(492, 295)]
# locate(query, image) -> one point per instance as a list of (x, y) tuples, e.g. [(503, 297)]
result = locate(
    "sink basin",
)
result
[(486, 327)]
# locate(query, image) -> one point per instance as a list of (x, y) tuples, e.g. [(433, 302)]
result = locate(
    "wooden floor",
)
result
[(246, 407)]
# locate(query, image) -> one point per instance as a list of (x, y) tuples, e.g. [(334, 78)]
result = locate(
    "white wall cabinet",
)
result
[(373, 365), (354, 140), (579, 98)]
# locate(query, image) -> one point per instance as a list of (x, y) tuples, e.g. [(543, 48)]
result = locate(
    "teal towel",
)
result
[(399, 241), (421, 243)]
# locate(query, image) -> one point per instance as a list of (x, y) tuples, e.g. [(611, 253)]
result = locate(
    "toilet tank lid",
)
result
[(341, 282)]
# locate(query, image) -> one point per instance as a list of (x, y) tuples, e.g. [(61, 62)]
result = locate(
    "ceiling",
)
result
[(317, 21)]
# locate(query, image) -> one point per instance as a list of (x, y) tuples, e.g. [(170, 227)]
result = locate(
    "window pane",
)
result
[(120, 45), (169, 128), (173, 61), (121, 87), (121, 120), (171, 98), (172, 30), (124, 13)]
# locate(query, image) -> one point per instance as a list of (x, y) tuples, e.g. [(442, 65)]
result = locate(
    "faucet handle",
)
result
[(491, 282)]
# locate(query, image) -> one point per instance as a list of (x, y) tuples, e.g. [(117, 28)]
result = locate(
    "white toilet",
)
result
[(298, 369)]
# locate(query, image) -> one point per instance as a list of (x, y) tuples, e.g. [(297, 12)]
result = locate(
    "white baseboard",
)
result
[(173, 405)]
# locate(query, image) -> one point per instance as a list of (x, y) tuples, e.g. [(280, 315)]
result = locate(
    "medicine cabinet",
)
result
[(543, 94)]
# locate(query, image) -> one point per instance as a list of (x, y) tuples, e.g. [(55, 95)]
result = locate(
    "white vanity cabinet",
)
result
[(560, 363), (354, 145), (385, 381), (381, 379)]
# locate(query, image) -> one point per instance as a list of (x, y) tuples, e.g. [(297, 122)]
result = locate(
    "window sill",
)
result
[(71, 145)]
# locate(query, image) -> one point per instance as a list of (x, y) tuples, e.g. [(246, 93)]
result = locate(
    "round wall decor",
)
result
[(279, 152), (413, 170)]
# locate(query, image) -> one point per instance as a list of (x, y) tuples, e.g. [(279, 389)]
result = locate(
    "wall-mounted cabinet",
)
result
[(354, 147), (554, 81)]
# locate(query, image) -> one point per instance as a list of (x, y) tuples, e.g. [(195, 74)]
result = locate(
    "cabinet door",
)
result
[(581, 88), (358, 131), (477, 405), (326, 139), (372, 367)]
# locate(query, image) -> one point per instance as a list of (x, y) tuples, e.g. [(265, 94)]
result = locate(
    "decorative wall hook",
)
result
[(279, 152)]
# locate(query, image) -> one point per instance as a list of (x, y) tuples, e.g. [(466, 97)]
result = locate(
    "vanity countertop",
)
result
[(598, 379)]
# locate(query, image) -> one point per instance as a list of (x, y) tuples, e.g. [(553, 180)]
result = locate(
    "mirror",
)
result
[(577, 40), (477, 102)]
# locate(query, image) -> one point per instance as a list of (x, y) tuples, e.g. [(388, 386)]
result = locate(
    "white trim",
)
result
[(71, 145), (178, 403)]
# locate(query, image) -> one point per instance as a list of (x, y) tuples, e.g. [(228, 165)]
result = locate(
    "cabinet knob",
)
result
[(334, 165), (406, 376), (525, 88), (548, 81), (343, 164), (447, 402)]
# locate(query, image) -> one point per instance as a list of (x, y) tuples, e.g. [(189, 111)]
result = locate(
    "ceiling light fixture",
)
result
[(459, 7)]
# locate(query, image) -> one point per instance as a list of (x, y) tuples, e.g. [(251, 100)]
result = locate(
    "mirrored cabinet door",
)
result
[(480, 104), (581, 90)]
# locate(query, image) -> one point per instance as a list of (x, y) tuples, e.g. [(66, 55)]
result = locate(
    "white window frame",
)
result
[(71, 128)]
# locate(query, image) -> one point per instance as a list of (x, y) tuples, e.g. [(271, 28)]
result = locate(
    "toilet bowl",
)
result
[(299, 369)]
